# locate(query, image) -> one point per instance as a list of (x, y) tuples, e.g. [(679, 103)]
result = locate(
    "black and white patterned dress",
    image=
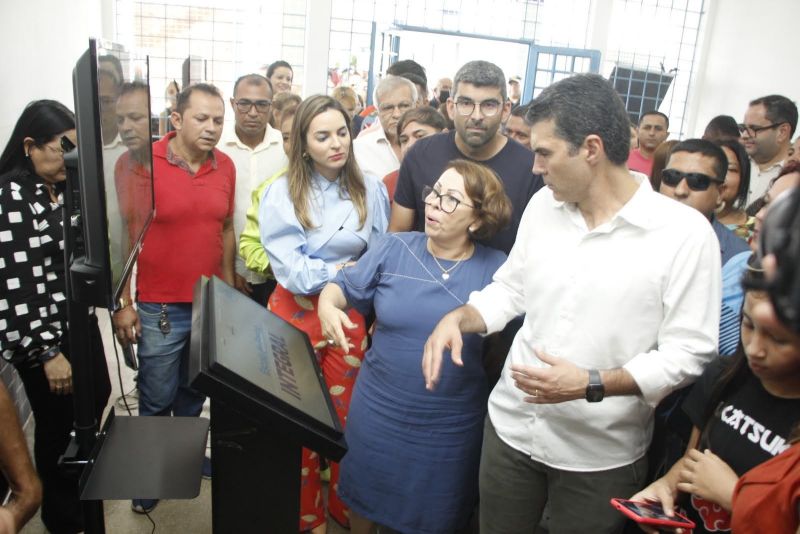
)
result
[(32, 281)]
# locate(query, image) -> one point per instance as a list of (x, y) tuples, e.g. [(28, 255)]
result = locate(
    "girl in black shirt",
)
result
[(743, 409)]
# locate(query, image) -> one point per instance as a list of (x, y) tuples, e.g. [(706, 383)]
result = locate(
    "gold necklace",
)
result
[(446, 272)]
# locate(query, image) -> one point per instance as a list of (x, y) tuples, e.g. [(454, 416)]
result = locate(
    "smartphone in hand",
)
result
[(651, 513)]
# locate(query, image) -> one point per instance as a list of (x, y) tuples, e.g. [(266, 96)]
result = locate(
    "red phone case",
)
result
[(679, 521)]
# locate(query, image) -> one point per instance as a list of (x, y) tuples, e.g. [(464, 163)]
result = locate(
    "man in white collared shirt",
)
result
[(769, 124), (377, 149), (620, 288), (257, 151)]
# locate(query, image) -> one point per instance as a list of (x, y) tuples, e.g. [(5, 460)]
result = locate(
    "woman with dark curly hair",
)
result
[(412, 460)]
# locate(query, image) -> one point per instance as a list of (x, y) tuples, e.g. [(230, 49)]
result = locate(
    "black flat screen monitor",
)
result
[(114, 178), (268, 356)]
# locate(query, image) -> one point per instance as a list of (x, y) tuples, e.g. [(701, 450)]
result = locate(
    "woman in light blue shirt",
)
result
[(319, 217)]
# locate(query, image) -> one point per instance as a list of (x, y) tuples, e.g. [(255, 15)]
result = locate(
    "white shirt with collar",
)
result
[(641, 291), (374, 153), (253, 166), (760, 180)]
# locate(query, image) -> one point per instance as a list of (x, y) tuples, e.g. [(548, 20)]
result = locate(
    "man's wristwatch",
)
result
[(595, 391), (123, 303)]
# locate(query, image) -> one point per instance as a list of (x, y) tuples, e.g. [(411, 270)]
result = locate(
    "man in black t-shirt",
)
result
[(479, 105)]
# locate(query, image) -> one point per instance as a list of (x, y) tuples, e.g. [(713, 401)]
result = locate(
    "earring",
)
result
[(27, 155), (305, 155)]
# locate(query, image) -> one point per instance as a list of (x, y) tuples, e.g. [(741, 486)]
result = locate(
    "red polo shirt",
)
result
[(184, 240)]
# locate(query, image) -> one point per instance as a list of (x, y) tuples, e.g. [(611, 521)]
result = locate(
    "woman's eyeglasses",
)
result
[(447, 203)]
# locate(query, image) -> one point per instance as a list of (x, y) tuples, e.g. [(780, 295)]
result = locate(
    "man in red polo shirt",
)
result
[(191, 235)]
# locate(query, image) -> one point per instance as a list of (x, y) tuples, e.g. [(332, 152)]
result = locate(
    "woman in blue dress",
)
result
[(412, 460)]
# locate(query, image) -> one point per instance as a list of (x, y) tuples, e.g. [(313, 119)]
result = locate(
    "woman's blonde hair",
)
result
[(301, 169)]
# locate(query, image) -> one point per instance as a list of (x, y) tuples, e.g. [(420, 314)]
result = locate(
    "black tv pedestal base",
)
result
[(256, 475)]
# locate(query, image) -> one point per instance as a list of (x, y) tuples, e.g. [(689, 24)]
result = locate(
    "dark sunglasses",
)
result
[(66, 144), (695, 180)]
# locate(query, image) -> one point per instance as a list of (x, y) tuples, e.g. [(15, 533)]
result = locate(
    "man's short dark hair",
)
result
[(779, 109), (182, 100), (654, 112), (583, 105), (131, 87), (408, 66), (416, 80), (520, 111), (720, 128), (252, 79), (706, 148), (481, 74)]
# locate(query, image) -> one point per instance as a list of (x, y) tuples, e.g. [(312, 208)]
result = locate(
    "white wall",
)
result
[(41, 40), (749, 52)]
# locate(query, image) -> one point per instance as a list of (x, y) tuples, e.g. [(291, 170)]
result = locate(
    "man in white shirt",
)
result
[(256, 149), (377, 148), (769, 124), (620, 288)]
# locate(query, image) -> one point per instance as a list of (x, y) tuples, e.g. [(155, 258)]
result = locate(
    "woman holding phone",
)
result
[(743, 408)]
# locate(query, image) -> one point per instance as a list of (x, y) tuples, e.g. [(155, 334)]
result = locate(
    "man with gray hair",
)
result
[(377, 148), (256, 149), (620, 287), (479, 105)]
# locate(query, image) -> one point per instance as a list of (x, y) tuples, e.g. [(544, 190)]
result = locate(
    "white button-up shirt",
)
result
[(253, 166), (759, 180), (374, 153), (641, 291)]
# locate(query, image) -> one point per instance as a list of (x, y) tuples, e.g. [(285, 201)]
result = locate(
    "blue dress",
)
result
[(412, 460)]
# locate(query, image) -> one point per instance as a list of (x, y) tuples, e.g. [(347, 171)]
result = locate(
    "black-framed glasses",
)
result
[(696, 181), (751, 130), (244, 105), (489, 108), (447, 202)]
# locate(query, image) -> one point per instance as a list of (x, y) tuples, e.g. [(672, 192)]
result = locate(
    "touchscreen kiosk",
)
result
[(268, 400), (251, 358)]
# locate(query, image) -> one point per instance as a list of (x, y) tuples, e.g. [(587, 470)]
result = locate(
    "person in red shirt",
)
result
[(191, 236), (653, 130)]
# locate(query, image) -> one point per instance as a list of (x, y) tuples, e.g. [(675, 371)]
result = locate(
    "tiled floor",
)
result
[(171, 516)]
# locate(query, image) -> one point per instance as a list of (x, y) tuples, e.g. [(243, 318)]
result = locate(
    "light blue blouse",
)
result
[(303, 261)]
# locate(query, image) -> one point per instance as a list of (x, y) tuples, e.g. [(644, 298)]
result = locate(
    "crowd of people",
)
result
[(521, 311)]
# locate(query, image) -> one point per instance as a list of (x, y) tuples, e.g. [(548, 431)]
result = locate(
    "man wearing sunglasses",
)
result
[(767, 130), (693, 175), (256, 149)]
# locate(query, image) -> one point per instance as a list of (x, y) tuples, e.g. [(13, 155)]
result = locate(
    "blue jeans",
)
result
[(164, 362)]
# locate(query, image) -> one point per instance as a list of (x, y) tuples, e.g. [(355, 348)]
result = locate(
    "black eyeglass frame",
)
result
[(244, 105), (427, 190), (752, 131)]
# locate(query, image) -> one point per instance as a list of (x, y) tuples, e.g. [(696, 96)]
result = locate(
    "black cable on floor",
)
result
[(119, 370)]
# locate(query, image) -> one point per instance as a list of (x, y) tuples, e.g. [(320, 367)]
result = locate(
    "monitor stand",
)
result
[(256, 481)]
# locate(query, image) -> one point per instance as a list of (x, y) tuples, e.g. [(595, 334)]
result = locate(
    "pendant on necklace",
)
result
[(445, 276)]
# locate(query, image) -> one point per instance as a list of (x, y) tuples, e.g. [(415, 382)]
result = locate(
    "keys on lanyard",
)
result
[(163, 320)]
